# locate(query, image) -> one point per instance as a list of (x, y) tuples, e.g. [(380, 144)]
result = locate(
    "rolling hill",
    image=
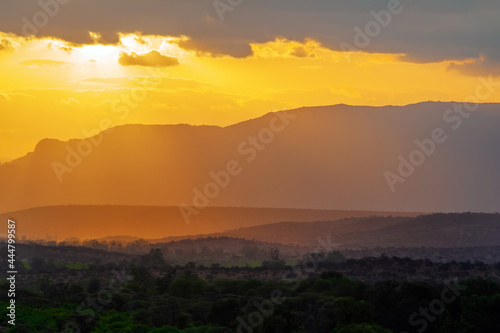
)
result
[(434, 230)]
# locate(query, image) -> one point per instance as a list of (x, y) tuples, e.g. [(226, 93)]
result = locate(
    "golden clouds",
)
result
[(282, 47), (95, 36), (151, 59), (8, 42)]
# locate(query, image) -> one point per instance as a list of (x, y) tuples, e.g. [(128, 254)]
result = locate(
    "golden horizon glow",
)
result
[(52, 88)]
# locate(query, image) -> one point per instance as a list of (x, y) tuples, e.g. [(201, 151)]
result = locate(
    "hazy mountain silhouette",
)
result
[(152, 222), (331, 157)]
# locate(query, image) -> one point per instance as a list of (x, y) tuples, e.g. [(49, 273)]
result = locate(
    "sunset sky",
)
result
[(168, 62)]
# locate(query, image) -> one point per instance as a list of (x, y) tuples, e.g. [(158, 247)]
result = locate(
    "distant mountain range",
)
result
[(303, 228), (332, 157), (154, 222)]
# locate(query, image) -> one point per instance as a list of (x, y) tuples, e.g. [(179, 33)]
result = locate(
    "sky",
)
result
[(71, 68)]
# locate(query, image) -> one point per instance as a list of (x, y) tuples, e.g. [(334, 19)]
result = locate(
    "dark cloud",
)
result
[(426, 30), (151, 59), (237, 48), (478, 67)]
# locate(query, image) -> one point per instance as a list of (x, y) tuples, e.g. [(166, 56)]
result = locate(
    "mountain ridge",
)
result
[(333, 157)]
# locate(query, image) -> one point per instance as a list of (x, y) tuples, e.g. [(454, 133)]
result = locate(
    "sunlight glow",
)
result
[(77, 84)]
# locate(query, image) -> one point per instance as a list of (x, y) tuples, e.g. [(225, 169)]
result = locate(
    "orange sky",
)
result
[(53, 88)]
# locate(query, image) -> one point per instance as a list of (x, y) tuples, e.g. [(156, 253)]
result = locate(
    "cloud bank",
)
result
[(426, 30)]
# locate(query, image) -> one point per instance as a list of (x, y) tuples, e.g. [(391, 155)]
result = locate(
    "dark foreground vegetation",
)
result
[(146, 295)]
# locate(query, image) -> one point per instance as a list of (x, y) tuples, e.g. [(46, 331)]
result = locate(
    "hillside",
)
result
[(307, 234), (435, 230), (320, 157)]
